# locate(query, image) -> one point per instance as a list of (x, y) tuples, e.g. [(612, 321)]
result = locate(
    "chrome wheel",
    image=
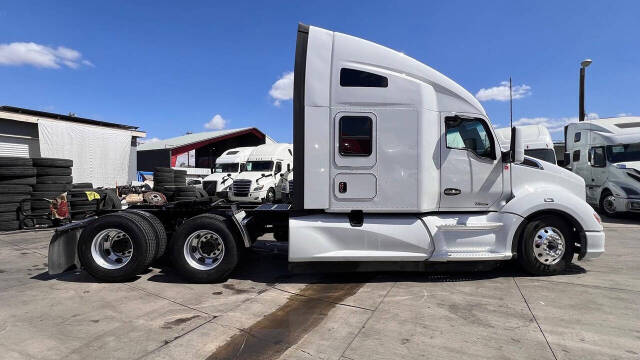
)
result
[(111, 248), (609, 205), (549, 245), (204, 250)]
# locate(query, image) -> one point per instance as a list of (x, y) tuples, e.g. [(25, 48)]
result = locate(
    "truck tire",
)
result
[(160, 232), (546, 247), (52, 171), (83, 186), (606, 205), (52, 187), (270, 198), (52, 162), (55, 179), (18, 180), (13, 198), (15, 161), (15, 189), (14, 207), (203, 249), (17, 171), (116, 247), (9, 225)]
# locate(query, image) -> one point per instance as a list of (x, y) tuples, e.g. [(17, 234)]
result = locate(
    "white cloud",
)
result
[(282, 89), (552, 124), (151, 140), (29, 53), (623, 114), (216, 123), (501, 92)]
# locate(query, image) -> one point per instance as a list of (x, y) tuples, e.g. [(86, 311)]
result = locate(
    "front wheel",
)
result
[(546, 247), (204, 250), (270, 198), (607, 204)]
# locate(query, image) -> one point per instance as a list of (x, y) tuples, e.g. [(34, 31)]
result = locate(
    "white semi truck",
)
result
[(257, 181), (606, 154), (227, 167), (537, 142), (396, 164)]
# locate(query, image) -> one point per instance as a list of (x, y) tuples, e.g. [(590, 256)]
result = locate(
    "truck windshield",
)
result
[(547, 155), (623, 153), (264, 166), (227, 168)]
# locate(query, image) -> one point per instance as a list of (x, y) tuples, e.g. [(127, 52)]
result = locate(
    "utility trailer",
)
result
[(395, 164)]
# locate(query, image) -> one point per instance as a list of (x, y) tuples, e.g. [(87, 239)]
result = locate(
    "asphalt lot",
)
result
[(264, 312)]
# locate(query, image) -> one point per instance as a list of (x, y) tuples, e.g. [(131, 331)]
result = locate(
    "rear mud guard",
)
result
[(63, 248)]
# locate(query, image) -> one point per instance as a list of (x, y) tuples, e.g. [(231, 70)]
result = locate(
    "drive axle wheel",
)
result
[(116, 247), (203, 249), (546, 246)]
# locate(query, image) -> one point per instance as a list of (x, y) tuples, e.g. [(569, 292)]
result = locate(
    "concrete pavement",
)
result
[(264, 312)]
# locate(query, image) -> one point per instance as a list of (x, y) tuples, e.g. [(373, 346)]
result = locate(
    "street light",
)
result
[(583, 65)]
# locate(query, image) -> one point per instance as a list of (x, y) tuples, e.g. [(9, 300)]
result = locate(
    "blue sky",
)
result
[(171, 67)]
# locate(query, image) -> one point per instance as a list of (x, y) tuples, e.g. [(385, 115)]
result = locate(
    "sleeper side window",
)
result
[(470, 134), (359, 78), (576, 156), (356, 133), (577, 136)]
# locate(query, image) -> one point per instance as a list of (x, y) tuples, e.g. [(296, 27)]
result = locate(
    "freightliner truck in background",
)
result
[(228, 166), (537, 141), (395, 164)]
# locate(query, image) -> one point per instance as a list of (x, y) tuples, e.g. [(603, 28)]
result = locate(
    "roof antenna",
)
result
[(510, 104)]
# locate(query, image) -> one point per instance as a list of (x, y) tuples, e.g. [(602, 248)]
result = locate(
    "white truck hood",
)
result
[(629, 165)]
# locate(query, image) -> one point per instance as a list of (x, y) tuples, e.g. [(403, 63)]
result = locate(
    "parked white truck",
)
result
[(396, 164), (227, 167), (537, 142), (257, 182), (606, 154)]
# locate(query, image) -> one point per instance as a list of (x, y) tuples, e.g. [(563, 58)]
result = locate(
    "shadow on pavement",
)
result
[(267, 263)]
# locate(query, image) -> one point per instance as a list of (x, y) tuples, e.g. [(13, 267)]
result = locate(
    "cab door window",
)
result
[(597, 157), (471, 135), (278, 168)]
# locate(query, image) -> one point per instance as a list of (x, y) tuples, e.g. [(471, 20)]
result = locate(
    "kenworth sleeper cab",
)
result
[(395, 164)]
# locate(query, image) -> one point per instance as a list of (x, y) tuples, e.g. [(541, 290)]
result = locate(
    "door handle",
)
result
[(452, 191)]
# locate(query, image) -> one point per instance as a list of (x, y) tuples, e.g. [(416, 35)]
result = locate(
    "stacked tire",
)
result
[(179, 177), (17, 175), (79, 204), (163, 181), (184, 193), (53, 178)]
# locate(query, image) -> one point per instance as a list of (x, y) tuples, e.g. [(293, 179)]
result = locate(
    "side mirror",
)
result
[(288, 167), (229, 174), (517, 146), (263, 175), (281, 175)]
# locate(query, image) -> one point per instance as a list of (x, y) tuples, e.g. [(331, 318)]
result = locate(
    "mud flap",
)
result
[(63, 248)]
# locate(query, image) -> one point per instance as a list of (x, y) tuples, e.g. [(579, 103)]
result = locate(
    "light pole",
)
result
[(583, 65)]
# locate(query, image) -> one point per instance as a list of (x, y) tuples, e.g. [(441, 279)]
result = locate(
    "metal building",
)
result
[(103, 153), (198, 149)]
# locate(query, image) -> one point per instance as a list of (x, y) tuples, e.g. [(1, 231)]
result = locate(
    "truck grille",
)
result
[(210, 187), (241, 187)]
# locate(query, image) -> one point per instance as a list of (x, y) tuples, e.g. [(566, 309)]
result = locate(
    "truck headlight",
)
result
[(258, 188)]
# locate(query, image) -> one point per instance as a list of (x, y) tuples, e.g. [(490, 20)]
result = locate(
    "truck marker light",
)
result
[(506, 167), (597, 217), (342, 187)]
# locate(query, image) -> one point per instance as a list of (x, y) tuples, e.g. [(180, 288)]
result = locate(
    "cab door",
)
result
[(471, 166), (598, 170)]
